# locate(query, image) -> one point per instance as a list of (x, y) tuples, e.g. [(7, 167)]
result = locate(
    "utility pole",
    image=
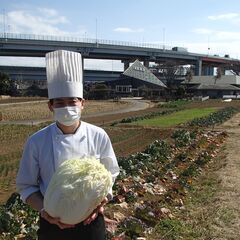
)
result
[(4, 23), (96, 31), (163, 38), (208, 46)]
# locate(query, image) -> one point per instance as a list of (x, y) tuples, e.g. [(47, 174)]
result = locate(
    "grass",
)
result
[(20, 99), (193, 222), (203, 216), (175, 104), (168, 229), (12, 138), (177, 117), (206, 214), (25, 111)]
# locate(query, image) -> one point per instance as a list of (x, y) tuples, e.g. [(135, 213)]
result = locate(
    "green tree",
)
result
[(170, 71), (99, 91), (181, 92), (5, 84), (35, 90)]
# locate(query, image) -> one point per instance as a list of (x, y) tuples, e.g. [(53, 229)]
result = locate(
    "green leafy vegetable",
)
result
[(76, 189)]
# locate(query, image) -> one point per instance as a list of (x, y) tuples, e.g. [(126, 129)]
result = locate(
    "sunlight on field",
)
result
[(177, 117), (37, 110), (25, 111), (12, 138), (157, 164)]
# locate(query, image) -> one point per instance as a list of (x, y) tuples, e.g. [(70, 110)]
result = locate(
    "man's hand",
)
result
[(54, 220), (94, 214)]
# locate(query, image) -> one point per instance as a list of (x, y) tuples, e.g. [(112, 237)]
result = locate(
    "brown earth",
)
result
[(214, 103), (110, 118), (136, 140), (125, 141)]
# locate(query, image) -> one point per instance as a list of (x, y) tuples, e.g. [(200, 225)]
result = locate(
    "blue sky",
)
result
[(196, 25)]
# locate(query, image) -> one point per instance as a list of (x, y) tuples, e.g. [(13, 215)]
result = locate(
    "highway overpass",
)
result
[(39, 74), (26, 45)]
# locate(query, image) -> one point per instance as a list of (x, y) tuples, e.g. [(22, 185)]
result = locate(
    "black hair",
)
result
[(51, 100)]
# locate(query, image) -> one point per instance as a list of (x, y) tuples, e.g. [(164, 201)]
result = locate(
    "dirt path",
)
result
[(227, 223)]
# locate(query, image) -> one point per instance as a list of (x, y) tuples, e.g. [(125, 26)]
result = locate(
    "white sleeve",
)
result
[(28, 173), (108, 158)]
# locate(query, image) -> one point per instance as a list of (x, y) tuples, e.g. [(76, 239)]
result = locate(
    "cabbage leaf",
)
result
[(77, 187)]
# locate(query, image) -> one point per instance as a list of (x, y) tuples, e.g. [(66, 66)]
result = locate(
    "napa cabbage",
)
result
[(77, 187)]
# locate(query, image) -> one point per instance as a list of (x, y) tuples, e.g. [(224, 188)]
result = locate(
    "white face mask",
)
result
[(67, 115)]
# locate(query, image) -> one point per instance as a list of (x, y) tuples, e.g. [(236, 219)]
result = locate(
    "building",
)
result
[(137, 81), (225, 85)]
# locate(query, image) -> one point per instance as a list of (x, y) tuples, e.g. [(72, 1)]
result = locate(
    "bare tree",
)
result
[(218, 75), (168, 71), (189, 75), (233, 67), (171, 71)]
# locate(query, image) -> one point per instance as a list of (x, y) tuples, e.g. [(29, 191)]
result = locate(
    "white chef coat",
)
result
[(48, 148)]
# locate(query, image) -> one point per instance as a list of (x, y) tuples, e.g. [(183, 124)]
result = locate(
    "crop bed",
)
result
[(153, 184), (125, 142), (150, 189)]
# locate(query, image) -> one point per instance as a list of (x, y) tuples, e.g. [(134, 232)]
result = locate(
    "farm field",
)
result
[(13, 137), (177, 117), (7, 100), (175, 179), (38, 109)]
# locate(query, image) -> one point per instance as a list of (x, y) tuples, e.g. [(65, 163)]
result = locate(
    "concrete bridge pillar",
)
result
[(83, 69), (146, 63), (126, 64), (198, 69)]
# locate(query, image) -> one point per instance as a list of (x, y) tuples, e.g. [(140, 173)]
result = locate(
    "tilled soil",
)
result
[(110, 118), (139, 139)]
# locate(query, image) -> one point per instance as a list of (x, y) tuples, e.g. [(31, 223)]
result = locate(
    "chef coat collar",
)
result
[(58, 131)]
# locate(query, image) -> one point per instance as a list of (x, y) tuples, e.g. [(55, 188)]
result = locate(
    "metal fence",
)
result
[(82, 40)]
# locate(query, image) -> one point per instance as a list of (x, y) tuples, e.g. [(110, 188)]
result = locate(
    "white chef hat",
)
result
[(64, 74)]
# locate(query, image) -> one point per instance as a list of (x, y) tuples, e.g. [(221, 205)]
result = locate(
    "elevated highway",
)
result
[(39, 74), (37, 46)]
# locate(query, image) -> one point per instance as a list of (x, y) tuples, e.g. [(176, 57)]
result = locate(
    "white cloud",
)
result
[(210, 46), (232, 18), (24, 22), (128, 30), (226, 16), (219, 42), (202, 31), (219, 35), (48, 11), (51, 16), (219, 48), (38, 21), (224, 35)]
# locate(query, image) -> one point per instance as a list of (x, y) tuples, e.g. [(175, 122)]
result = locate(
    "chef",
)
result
[(67, 138)]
